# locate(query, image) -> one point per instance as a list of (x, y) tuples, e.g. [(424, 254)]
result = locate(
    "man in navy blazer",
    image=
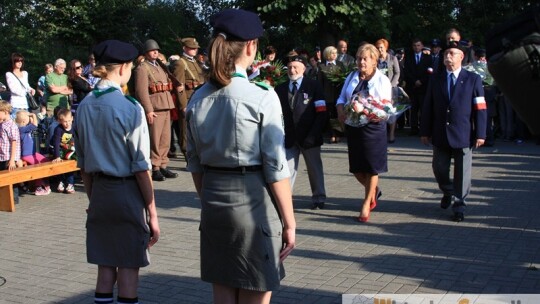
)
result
[(416, 74), (454, 120), (304, 115)]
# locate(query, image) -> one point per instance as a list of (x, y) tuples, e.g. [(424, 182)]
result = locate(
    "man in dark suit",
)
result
[(454, 119), (304, 115), (417, 73)]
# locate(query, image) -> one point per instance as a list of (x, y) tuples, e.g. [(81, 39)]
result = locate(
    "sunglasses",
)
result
[(18, 60), (78, 67)]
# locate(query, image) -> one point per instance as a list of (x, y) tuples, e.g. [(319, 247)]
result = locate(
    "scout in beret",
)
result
[(237, 159), (113, 148), (113, 52)]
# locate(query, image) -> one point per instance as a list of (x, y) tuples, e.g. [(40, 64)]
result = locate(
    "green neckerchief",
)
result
[(98, 93)]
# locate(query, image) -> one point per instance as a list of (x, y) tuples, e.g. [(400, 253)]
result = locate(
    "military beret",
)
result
[(190, 43), (237, 25), (300, 59), (455, 45), (114, 51)]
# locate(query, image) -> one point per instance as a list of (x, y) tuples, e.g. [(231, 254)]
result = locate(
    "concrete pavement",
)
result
[(409, 245)]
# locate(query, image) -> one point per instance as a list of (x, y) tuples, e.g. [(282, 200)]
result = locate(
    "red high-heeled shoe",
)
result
[(373, 203), (363, 219)]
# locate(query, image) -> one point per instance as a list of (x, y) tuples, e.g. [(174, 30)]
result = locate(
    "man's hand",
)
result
[(150, 117), (479, 142)]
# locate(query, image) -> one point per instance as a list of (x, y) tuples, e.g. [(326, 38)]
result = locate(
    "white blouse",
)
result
[(18, 91)]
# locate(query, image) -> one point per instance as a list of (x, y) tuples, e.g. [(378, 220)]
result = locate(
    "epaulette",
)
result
[(131, 99), (263, 85)]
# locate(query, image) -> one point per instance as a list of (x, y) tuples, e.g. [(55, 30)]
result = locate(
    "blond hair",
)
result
[(5, 107), (328, 51), (20, 115)]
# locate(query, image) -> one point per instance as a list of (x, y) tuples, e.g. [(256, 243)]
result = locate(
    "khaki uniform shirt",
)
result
[(193, 77), (145, 75)]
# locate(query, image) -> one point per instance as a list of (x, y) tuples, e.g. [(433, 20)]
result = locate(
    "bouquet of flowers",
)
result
[(364, 108), (270, 72), (480, 68), (338, 76), (400, 101)]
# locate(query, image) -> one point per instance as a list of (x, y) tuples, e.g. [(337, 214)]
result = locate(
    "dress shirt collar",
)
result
[(456, 73), (331, 62), (241, 70), (190, 58), (104, 84), (298, 83)]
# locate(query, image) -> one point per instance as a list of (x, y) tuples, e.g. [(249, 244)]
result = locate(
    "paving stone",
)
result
[(409, 245)]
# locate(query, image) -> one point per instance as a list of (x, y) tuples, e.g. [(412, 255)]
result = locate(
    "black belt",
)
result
[(236, 169), (112, 177)]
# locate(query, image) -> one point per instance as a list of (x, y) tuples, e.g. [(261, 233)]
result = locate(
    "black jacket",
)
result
[(304, 123)]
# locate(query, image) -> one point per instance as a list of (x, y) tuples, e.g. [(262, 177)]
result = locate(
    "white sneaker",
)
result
[(42, 191), (70, 189), (61, 187)]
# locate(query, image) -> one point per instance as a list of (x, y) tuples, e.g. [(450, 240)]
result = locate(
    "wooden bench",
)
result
[(28, 173)]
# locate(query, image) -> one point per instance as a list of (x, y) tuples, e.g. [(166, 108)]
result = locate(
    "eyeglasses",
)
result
[(78, 67), (18, 60)]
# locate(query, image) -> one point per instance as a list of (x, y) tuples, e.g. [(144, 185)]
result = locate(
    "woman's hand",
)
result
[(154, 231), (289, 241)]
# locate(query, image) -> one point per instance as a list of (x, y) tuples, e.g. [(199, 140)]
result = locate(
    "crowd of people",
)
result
[(241, 139)]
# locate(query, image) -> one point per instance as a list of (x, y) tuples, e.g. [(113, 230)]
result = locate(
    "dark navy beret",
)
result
[(300, 59), (237, 25), (456, 45), (114, 51)]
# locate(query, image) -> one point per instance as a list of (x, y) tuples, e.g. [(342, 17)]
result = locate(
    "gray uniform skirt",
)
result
[(117, 233), (240, 232)]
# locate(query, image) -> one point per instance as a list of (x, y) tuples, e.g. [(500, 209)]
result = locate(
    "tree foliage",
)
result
[(43, 30)]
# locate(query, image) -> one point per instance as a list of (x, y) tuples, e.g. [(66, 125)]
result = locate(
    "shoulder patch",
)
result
[(263, 85)]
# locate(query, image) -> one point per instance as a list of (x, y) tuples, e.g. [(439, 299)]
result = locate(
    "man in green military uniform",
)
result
[(188, 72)]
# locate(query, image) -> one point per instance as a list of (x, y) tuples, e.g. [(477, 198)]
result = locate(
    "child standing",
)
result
[(27, 123), (10, 140), (64, 148)]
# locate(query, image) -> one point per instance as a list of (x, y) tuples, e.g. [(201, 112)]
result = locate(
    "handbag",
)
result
[(32, 104)]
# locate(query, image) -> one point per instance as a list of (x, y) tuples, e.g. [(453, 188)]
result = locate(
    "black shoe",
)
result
[(317, 206), (168, 173), (458, 217), (157, 176), (446, 201)]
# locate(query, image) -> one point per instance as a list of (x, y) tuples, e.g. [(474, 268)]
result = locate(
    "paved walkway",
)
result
[(409, 245)]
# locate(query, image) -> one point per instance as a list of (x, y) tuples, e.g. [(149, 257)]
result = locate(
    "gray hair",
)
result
[(59, 61)]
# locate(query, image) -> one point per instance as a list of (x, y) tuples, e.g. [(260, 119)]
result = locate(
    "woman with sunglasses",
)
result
[(17, 81), (80, 84)]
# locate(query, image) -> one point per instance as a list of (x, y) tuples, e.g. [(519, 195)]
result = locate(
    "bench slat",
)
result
[(37, 171), (28, 173)]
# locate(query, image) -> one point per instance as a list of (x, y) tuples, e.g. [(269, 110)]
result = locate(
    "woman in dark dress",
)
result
[(80, 84), (367, 144)]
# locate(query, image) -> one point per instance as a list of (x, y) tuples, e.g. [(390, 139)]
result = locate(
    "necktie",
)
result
[(417, 58), (451, 85), (294, 87)]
